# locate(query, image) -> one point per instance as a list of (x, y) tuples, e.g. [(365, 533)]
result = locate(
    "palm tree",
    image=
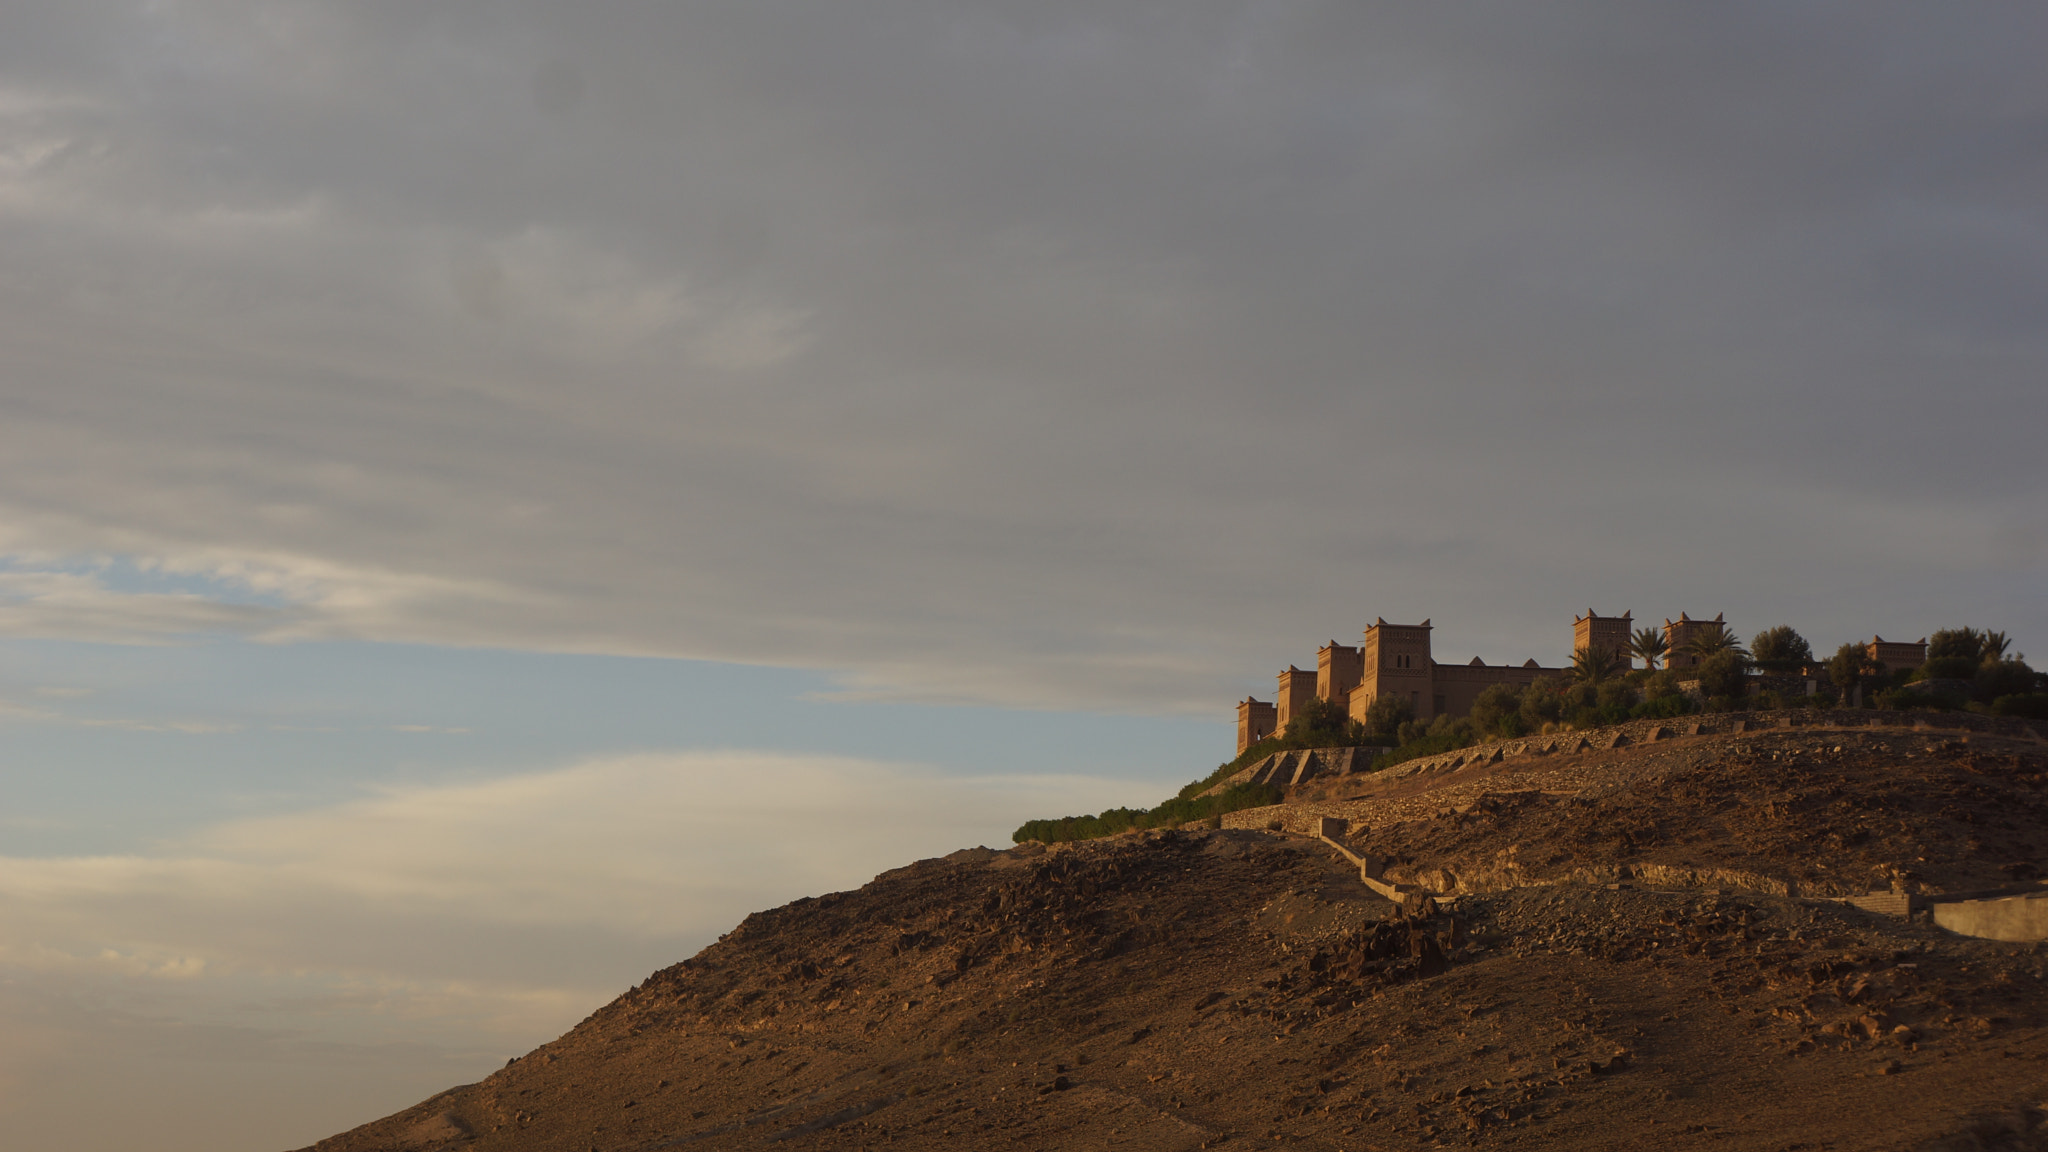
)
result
[(1714, 638), (1594, 664), (1995, 646), (1649, 646)]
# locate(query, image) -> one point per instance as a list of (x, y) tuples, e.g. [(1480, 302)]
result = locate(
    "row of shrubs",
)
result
[(1508, 711), (1169, 814)]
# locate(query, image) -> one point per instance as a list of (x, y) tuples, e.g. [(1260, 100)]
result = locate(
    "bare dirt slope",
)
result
[(1239, 988)]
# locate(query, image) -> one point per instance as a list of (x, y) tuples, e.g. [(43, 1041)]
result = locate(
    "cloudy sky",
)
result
[(491, 492)]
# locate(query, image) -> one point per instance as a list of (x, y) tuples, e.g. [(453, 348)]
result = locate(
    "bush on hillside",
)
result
[(1946, 668), (1662, 708), (1724, 674), (2002, 678), (1323, 724), (1384, 717), (2031, 706), (1956, 644), (1170, 814), (1498, 709), (1851, 666), (1780, 649)]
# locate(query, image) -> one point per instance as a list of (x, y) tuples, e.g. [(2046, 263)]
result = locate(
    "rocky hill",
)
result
[(1636, 955)]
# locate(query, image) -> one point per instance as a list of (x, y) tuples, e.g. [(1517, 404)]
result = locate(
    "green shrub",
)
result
[(1617, 694), (1851, 666), (1956, 644), (1947, 668), (1424, 745), (1908, 699), (1167, 815), (1725, 673), (2031, 705), (2002, 678), (1661, 708), (1384, 717), (1323, 724), (1498, 706), (1780, 649), (1663, 682), (1542, 704)]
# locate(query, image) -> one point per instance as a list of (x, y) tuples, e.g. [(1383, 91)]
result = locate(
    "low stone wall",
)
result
[(2015, 918)]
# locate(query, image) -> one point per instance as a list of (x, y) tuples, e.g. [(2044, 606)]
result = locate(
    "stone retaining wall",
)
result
[(2011, 918)]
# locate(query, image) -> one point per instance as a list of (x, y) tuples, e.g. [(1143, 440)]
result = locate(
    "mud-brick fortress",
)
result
[(1395, 660)]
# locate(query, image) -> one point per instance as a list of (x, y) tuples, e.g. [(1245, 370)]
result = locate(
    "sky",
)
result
[(492, 492)]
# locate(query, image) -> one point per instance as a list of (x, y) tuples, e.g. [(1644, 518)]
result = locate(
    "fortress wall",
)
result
[(1458, 685)]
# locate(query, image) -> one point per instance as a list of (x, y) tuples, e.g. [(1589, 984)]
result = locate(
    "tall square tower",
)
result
[(1297, 688), (1396, 662), (1338, 669), (1254, 722), (1604, 633)]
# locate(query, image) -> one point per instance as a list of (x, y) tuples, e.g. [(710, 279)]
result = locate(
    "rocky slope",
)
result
[(1239, 987)]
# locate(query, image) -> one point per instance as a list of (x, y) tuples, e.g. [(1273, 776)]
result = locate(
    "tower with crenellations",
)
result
[(1604, 633)]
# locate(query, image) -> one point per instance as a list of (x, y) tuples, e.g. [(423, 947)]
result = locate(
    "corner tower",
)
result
[(1604, 633), (1254, 722)]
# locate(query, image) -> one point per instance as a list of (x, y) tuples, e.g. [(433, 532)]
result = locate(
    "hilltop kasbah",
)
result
[(1395, 660)]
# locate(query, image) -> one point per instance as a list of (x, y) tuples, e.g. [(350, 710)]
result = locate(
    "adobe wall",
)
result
[(1895, 654), (1456, 686)]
